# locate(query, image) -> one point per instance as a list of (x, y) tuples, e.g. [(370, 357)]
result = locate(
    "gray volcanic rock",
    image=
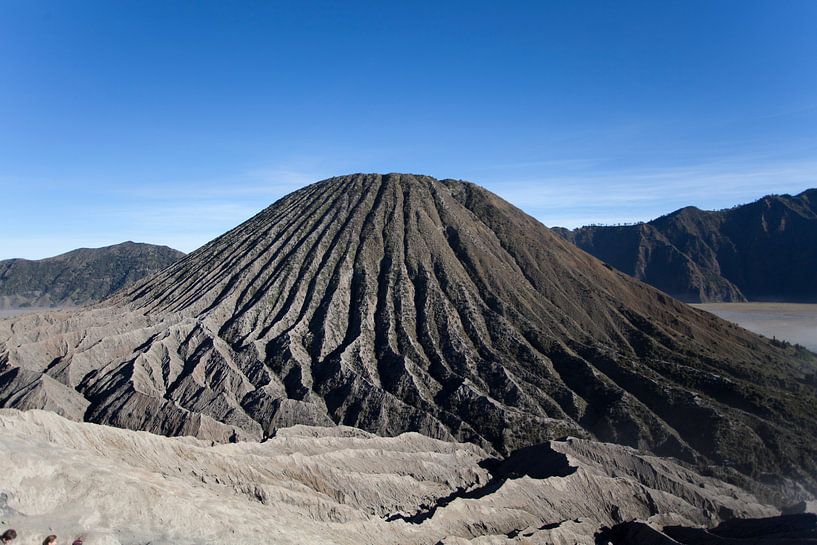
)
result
[(762, 251), (331, 485), (81, 276), (402, 303)]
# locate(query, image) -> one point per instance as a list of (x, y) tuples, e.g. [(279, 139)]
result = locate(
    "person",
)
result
[(77, 541), (50, 540), (8, 536)]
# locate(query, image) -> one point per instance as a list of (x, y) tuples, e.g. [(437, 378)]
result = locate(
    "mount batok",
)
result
[(400, 302)]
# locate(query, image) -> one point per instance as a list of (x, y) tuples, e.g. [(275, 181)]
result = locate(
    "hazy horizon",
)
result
[(159, 242)]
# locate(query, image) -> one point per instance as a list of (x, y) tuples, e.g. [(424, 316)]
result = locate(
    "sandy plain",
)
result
[(795, 323)]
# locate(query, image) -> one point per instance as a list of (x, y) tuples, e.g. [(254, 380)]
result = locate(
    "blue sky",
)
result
[(170, 122)]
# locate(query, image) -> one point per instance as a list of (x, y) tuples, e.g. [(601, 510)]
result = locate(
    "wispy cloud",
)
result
[(186, 214), (269, 182), (183, 214), (580, 198)]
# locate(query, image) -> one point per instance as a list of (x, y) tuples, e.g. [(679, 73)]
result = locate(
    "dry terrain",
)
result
[(12, 312), (396, 304), (334, 485)]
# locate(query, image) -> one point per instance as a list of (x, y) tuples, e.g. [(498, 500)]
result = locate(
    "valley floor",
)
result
[(11, 312), (795, 323)]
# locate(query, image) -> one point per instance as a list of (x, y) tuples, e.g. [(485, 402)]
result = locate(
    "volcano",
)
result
[(400, 303)]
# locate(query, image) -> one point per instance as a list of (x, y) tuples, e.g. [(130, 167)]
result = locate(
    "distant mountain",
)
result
[(81, 276), (762, 251)]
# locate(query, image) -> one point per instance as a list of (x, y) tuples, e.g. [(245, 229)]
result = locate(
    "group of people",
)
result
[(10, 535)]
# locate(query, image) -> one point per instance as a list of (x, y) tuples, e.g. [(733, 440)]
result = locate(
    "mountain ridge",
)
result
[(80, 276), (760, 251)]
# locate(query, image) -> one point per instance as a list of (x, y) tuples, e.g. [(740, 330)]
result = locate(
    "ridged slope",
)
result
[(400, 302)]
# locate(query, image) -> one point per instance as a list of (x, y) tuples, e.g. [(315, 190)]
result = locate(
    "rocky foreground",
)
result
[(340, 485)]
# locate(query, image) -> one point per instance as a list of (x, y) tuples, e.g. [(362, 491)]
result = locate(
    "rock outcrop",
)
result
[(335, 485), (397, 303), (81, 276), (762, 251)]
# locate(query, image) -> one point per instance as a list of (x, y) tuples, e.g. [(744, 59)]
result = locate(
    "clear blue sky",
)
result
[(170, 122)]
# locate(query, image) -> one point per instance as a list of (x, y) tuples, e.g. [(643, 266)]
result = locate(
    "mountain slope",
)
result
[(81, 276), (400, 302), (766, 250)]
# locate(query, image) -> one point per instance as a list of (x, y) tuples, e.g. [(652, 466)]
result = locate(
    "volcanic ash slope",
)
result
[(333, 485), (397, 303)]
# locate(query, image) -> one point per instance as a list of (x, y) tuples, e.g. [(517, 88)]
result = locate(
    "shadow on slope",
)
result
[(797, 529), (535, 461)]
